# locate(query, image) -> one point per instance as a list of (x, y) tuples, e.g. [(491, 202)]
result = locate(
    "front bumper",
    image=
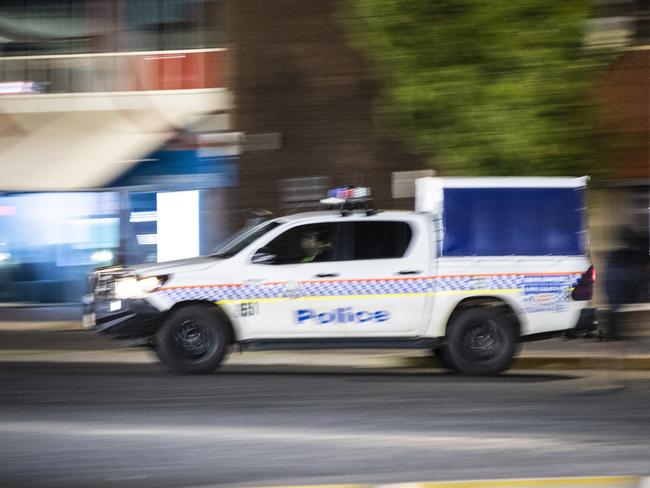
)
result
[(121, 319)]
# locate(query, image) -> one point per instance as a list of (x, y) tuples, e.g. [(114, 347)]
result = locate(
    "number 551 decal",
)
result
[(249, 309)]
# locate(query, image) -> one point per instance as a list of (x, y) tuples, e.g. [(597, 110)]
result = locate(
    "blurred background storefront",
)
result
[(163, 208), (117, 146)]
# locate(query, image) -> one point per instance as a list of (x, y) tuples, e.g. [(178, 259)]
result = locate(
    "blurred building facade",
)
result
[(622, 94), (139, 130), (307, 96), (115, 123)]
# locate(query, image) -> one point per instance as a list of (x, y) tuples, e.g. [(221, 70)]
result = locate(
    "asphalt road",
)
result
[(104, 425), (41, 313)]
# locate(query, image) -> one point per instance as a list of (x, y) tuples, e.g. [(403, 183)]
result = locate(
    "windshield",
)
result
[(243, 238)]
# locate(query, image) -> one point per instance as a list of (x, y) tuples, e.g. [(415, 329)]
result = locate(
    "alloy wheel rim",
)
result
[(484, 340), (194, 339)]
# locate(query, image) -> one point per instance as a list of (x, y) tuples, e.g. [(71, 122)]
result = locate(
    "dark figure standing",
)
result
[(626, 278)]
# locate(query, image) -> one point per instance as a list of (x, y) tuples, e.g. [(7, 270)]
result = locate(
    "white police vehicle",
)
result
[(481, 265)]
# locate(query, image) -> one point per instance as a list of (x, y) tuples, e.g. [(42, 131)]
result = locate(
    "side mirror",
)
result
[(263, 256)]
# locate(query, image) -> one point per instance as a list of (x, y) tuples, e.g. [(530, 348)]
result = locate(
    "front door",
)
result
[(296, 284)]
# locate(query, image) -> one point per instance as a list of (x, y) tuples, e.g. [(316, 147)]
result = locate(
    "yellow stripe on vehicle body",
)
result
[(483, 291)]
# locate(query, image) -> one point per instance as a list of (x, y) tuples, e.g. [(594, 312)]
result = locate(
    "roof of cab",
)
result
[(334, 214)]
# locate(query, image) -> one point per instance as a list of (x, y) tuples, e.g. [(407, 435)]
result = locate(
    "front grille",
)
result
[(103, 281), (105, 286)]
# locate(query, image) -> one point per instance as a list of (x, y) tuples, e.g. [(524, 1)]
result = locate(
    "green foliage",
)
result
[(484, 87)]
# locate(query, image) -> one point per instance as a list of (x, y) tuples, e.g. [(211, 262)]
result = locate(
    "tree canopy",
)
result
[(483, 87)]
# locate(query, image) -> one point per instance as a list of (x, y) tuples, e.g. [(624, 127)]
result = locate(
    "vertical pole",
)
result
[(124, 212)]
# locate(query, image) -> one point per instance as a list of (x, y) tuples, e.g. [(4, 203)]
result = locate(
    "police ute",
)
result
[(481, 265)]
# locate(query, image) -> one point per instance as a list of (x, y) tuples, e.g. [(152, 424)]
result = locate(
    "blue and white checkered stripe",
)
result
[(367, 287), (225, 293), (501, 282), (352, 288), (491, 282)]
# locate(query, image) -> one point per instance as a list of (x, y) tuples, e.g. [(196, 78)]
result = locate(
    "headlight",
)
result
[(132, 287)]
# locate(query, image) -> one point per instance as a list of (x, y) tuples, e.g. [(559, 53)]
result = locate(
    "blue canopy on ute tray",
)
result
[(512, 216)]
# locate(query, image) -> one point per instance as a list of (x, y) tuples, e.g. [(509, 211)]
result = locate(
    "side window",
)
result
[(312, 243), (381, 239)]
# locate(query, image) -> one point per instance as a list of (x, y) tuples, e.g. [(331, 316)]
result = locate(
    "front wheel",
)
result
[(480, 342), (193, 340)]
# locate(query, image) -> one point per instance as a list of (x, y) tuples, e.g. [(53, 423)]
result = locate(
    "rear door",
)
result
[(386, 276)]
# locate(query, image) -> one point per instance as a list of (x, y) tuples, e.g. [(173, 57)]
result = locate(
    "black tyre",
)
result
[(480, 341), (193, 340)]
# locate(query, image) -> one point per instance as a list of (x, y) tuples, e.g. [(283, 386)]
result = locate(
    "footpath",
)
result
[(66, 341)]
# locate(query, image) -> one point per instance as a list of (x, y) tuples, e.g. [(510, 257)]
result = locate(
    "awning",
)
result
[(55, 142)]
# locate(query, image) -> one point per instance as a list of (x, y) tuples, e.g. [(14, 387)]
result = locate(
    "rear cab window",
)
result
[(377, 239)]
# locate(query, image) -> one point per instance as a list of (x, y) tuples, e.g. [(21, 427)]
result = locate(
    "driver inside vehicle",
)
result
[(315, 247)]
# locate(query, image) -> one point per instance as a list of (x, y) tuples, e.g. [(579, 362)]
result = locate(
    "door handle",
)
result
[(327, 275), (409, 272)]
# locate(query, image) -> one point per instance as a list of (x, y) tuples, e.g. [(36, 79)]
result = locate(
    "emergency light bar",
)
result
[(349, 198), (338, 196), (348, 192)]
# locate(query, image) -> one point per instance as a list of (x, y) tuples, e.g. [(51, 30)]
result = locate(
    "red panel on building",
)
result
[(179, 71)]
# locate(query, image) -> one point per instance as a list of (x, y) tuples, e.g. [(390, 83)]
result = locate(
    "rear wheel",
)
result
[(479, 342), (193, 340)]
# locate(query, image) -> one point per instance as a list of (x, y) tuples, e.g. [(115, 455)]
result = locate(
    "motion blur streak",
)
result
[(462, 441)]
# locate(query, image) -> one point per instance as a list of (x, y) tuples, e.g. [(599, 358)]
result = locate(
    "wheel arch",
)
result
[(496, 303)]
